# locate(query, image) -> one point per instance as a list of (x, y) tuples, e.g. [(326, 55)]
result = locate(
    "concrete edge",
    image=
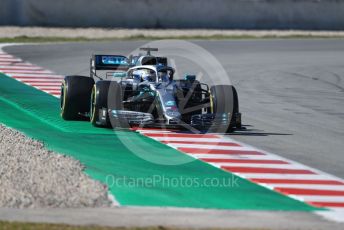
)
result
[(170, 217)]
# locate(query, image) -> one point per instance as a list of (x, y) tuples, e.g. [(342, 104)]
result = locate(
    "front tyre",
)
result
[(75, 97), (224, 100), (99, 103), (105, 96), (236, 118)]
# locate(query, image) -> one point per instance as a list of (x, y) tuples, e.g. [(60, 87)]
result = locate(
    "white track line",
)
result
[(210, 147), (335, 214), (311, 198), (31, 72), (17, 64), (10, 60), (226, 156), (285, 176), (33, 80), (155, 131), (38, 84), (6, 56), (20, 68), (310, 186), (34, 75), (272, 166), (195, 140), (48, 87)]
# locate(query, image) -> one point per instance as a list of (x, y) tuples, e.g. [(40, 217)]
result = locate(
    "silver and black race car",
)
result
[(122, 92)]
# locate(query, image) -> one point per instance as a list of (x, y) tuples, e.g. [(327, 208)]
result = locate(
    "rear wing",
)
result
[(108, 62)]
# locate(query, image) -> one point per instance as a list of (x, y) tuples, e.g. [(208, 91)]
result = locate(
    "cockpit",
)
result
[(163, 74), (143, 74)]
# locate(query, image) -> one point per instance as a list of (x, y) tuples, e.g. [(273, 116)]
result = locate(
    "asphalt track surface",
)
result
[(290, 91)]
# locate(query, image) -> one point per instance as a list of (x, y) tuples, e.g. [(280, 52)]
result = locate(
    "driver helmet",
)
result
[(148, 76), (163, 76)]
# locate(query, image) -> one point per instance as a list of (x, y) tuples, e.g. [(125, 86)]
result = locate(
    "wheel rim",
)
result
[(63, 97), (211, 102), (93, 103)]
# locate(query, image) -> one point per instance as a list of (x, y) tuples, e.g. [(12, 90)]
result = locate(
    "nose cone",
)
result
[(173, 116)]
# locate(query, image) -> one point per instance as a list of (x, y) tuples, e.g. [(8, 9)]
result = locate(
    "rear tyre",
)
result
[(223, 101), (105, 96), (75, 97)]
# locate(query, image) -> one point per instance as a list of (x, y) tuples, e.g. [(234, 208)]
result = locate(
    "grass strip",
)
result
[(27, 39)]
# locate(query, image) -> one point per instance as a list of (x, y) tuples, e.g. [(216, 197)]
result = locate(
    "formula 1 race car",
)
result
[(141, 91)]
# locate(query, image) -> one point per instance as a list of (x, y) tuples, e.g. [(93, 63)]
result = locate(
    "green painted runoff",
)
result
[(151, 178)]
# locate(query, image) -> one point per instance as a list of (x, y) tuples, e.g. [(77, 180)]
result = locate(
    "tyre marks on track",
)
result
[(31, 74)]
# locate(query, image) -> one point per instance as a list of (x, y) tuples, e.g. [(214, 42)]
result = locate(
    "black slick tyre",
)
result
[(222, 102), (75, 97)]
